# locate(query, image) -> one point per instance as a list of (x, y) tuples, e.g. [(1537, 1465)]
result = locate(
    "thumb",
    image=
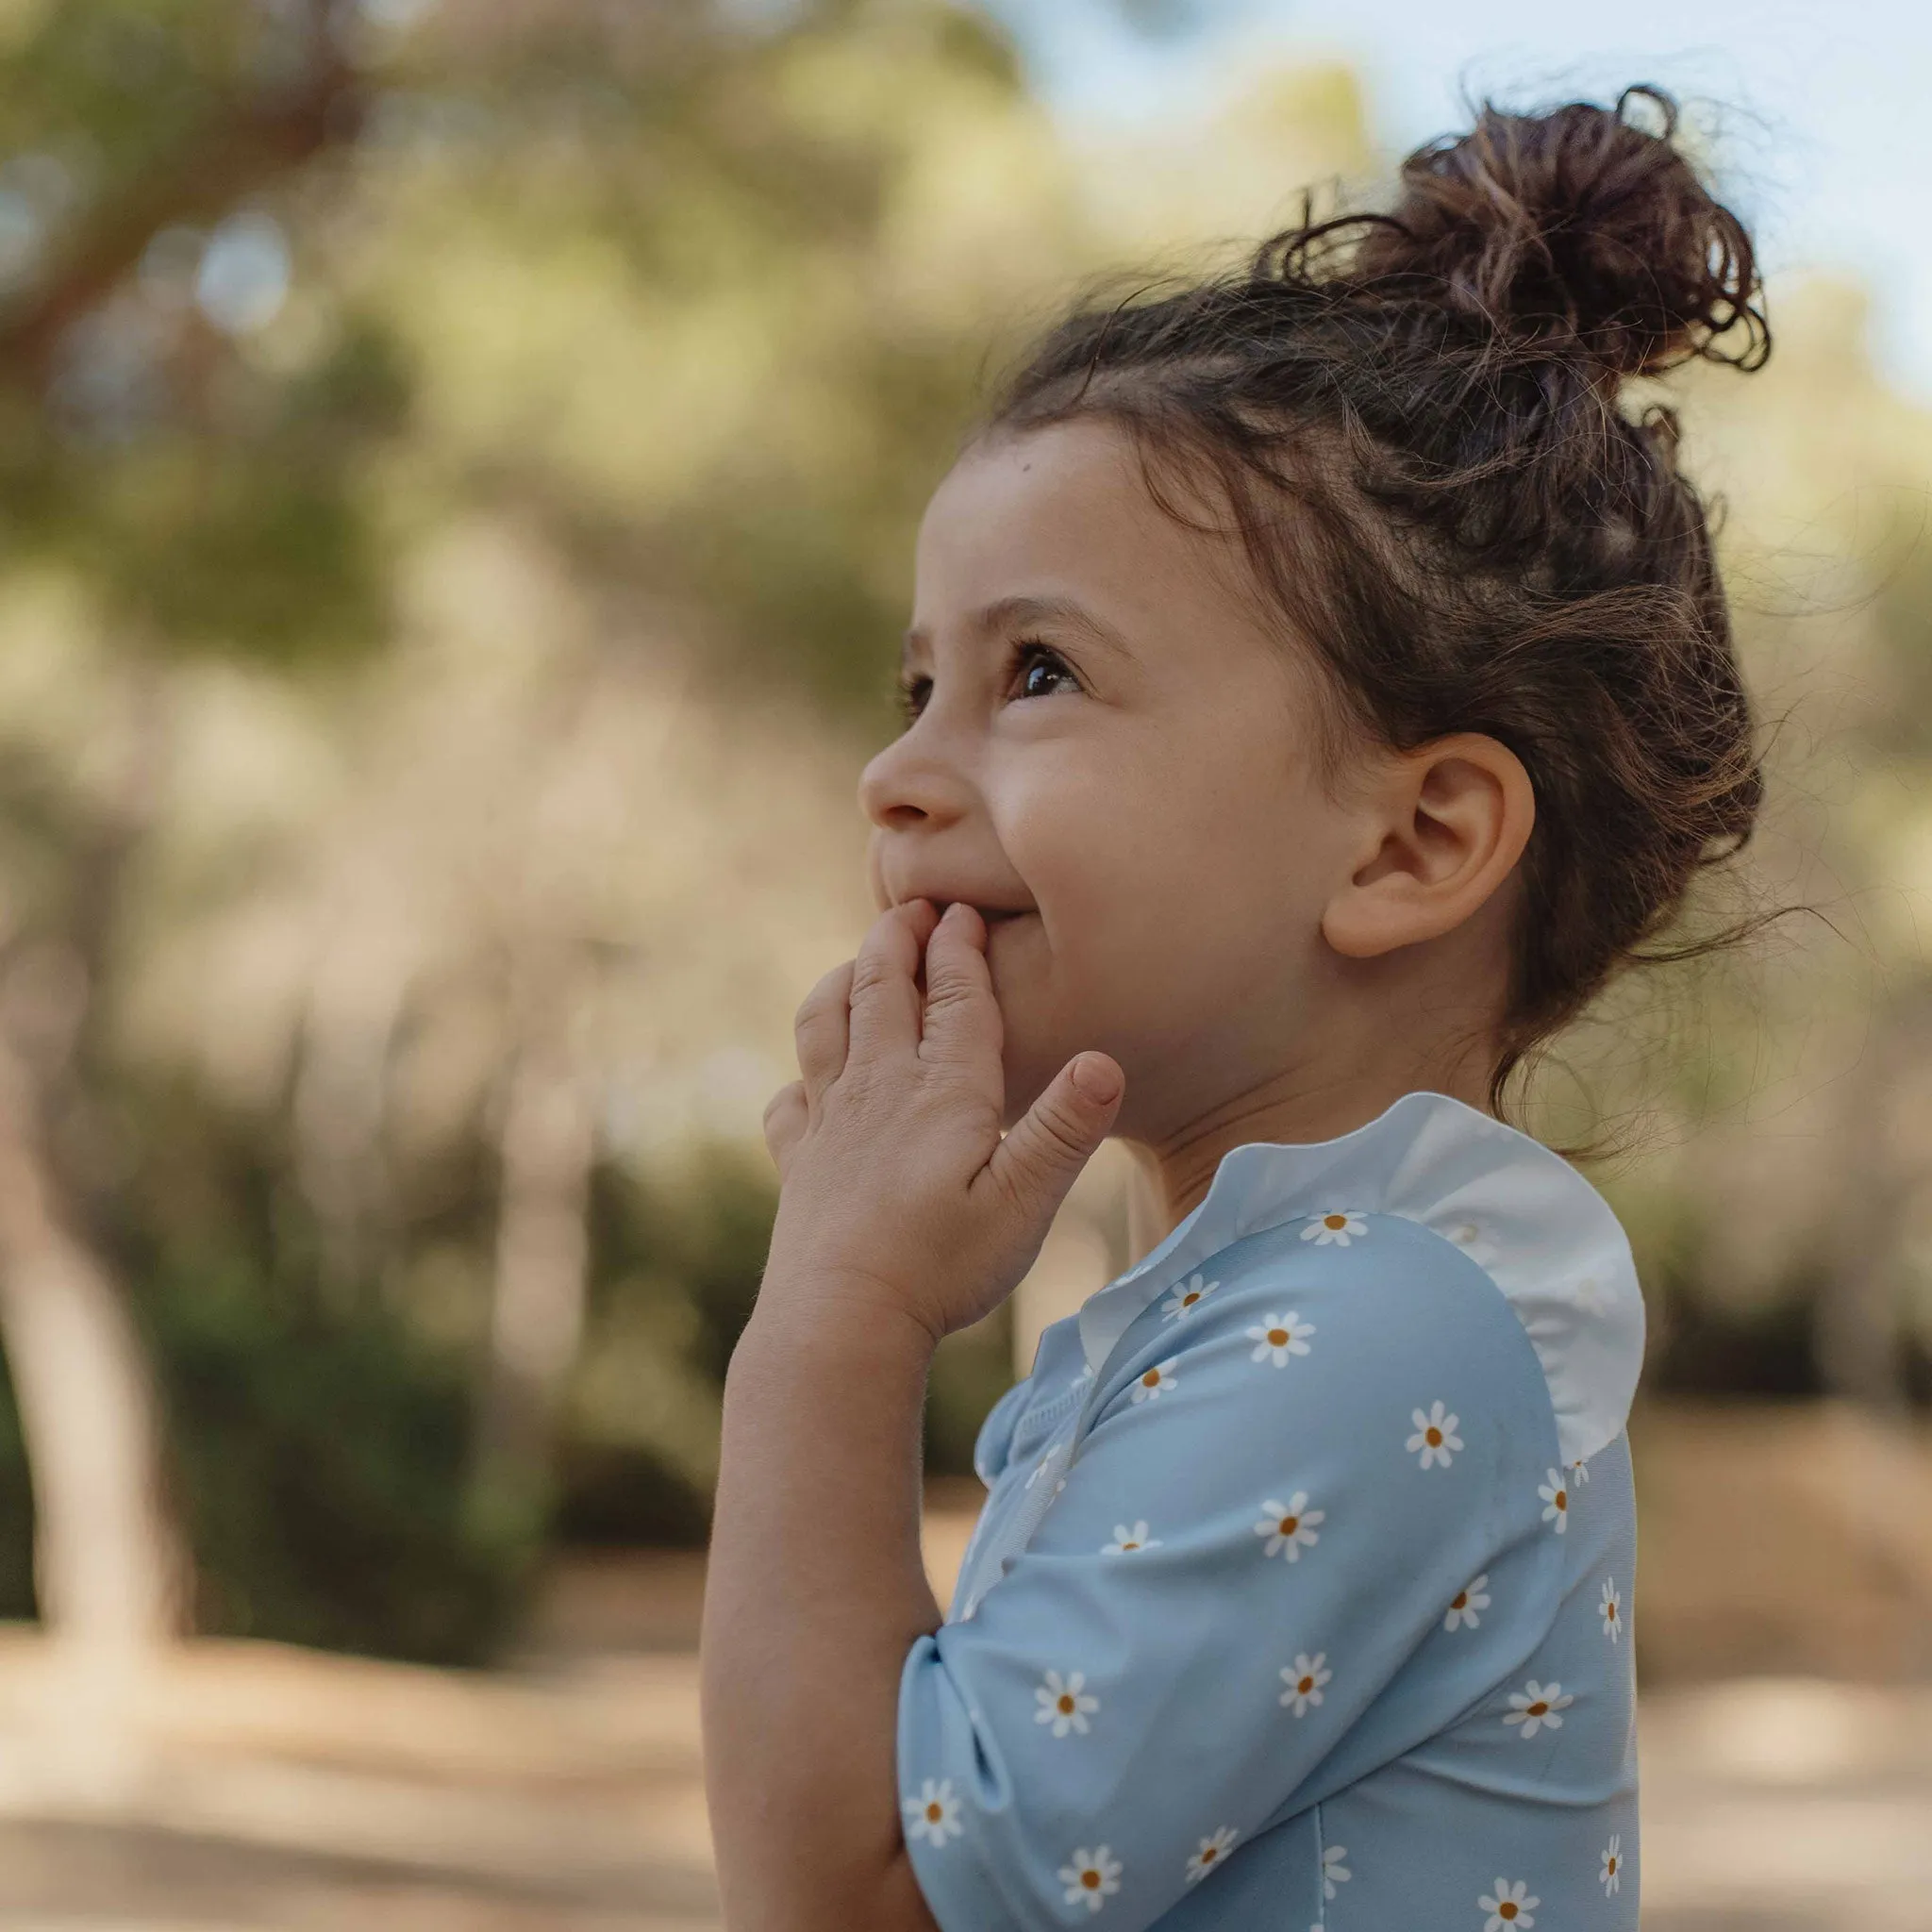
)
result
[(1043, 1152)]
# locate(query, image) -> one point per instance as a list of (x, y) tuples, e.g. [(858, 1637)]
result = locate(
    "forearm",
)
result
[(815, 1594)]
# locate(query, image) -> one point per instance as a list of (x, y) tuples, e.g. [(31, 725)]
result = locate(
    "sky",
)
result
[(1824, 106)]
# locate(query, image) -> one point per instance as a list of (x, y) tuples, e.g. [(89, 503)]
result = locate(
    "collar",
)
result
[(1540, 1231)]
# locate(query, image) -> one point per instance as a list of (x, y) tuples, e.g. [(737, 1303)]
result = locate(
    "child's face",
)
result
[(1110, 746)]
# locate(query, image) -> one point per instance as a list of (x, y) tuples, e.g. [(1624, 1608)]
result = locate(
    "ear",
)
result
[(1442, 829)]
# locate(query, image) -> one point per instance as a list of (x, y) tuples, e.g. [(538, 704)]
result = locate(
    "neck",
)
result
[(1299, 1105)]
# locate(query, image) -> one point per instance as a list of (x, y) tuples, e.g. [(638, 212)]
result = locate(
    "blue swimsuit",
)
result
[(1300, 1597)]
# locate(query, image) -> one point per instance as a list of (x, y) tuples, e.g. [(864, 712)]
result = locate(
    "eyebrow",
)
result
[(1005, 611)]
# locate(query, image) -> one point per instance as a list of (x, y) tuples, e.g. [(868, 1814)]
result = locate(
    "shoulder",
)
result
[(1378, 1298), (1429, 1191)]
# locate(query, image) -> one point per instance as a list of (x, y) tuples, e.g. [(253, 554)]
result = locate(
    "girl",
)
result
[(1318, 686)]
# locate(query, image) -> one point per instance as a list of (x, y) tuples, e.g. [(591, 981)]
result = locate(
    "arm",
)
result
[(815, 1592), (903, 1214)]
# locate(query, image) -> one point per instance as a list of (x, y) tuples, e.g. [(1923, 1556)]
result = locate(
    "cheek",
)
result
[(1167, 893), (1188, 861)]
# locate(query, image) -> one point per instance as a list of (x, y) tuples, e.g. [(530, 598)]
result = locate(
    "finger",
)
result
[(787, 1115), (821, 1031), (1039, 1161), (962, 1018), (885, 989)]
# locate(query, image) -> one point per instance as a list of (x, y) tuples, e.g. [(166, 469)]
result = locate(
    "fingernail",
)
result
[(1098, 1080)]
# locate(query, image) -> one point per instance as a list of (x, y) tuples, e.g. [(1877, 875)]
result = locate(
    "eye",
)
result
[(1037, 666), (1040, 671), (915, 689)]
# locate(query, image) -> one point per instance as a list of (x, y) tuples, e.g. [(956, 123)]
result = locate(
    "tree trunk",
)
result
[(537, 1317), (108, 1567)]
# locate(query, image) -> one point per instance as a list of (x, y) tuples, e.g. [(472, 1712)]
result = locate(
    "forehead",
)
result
[(1066, 510)]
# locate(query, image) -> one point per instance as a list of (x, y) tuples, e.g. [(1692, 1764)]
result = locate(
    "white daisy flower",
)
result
[(1063, 1702), (1340, 1227), (1579, 1474), (1435, 1436), (1304, 1678), (935, 1813), (1278, 1336), (1510, 1908), (1127, 1539), (1556, 1500), (1535, 1706), (1611, 1610), (1611, 1876), (1186, 1296), (1471, 1597), (1156, 1381), (1213, 1852), (1290, 1525), (1334, 1871), (1091, 1878)]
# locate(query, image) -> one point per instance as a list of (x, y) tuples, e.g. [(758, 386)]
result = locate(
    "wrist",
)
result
[(837, 1312)]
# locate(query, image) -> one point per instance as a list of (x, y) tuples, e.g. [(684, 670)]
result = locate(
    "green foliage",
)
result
[(697, 313), (321, 1462), (213, 496), (321, 1436)]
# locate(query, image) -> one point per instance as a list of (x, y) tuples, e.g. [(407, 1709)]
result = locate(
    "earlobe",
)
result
[(1448, 827)]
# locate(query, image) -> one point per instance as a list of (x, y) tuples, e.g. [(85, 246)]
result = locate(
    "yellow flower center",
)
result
[(1538, 1709), (1151, 1379), (1461, 1602), (1192, 1295), (1306, 1685), (1207, 1854), (1129, 1543), (1562, 1499), (1612, 1866), (1090, 1878), (933, 1812), (1432, 1438), (1289, 1524), (1066, 1702), (1335, 1220), (1278, 1337), (1505, 1910)]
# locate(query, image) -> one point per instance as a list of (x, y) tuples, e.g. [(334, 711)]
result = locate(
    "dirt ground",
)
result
[(249, 1787)]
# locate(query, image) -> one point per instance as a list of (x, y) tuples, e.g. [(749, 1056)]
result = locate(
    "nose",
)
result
[(913, 784)]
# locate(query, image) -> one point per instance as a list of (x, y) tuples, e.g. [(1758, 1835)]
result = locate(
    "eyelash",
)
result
[(1026, 652)]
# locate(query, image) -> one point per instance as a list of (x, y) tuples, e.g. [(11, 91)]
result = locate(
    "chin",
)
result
[(1030, 1072), (1028, 1077)]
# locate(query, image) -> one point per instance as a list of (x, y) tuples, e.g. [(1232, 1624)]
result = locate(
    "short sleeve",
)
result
[(1242, 1597)]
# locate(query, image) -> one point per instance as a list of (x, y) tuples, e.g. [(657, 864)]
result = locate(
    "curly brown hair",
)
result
[(1414, 419)]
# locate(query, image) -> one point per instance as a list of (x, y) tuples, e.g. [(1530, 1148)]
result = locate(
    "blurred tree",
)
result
[(136, 450), (674, 312), (457, 475)]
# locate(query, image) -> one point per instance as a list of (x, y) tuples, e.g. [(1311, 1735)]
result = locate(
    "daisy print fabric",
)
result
[(1296, 1548)]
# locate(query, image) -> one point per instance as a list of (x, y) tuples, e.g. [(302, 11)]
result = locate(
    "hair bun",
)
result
[(1579, 223)]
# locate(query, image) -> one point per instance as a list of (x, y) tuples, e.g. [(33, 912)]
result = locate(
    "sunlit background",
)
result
[(457, 472)]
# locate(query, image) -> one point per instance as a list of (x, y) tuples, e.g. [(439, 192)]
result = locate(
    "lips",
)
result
[(994, 915)]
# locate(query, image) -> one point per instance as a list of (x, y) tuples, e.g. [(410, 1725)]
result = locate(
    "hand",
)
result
[(896, 1190)]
